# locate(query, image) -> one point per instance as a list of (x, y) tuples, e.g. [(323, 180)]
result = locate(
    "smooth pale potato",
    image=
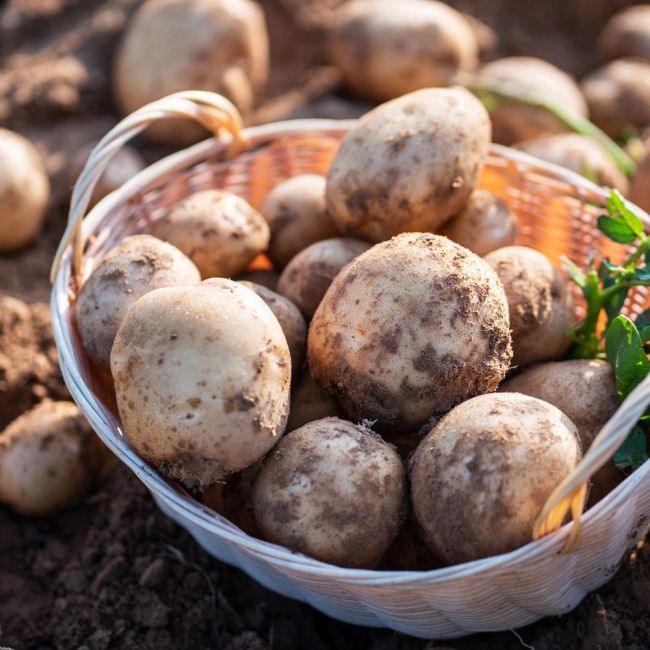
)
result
[(618, 95), (409, 329), (481, 476), (515, 122), (24, 191), (627, 34), (137, 265), (49, 459), (310, 402), (309, 274), (409, 164), (580, 154), (174, 45), (332, 490), (295, 212), (540, 303), (291, 321), (219, 231), (384, 53), (484, 224), (202, 377)]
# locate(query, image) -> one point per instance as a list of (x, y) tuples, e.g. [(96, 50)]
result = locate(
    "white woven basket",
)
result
[(555, 210)]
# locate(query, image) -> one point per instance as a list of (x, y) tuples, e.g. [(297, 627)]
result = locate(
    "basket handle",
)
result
[(570, 495), (211, 110)]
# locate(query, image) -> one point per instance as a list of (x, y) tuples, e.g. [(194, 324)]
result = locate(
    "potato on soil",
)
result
[(384, 53), (409, 164), (219, 231), (310, 402), (134, 267), (482, 475), (174, 45), (202, 378), (540, 303), (291, 321), (627, 34), (49, 459), (585, 391), (579, 154), (484, 224), (332, 490), (295, 212), (309, 274), (24, 191), (408, 330), (618, 95), (514, 121)]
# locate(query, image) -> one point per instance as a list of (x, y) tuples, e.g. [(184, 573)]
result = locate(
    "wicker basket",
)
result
[(556, 211)]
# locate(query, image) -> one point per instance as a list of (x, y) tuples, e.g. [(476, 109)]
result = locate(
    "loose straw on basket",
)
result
[(212, 111)]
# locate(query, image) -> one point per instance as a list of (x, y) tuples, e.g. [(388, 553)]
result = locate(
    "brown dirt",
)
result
[(114, 573)]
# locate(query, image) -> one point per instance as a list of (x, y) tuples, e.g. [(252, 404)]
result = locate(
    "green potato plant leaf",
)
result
[(633, 452), (626, 355)]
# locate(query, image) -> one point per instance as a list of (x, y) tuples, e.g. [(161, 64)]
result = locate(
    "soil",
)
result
[(114, 572)]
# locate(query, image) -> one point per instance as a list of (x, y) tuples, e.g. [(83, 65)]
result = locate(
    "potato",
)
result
[(291, 321), (309, 402), (49, 459), (618, 95), (482, 475), (408, 330), (579, 154), (134, 267), (24, 191), (484, 224), (513, 121), (383, 53), (267, 278), (539, 300), (309, 274), (332, 490), (202, 378), (627, 34), (219, 231), (585, 391), (409, 164), (174, 45), (295, 212)]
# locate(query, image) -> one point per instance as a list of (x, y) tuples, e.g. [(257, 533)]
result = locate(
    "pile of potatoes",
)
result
[(391, 392)]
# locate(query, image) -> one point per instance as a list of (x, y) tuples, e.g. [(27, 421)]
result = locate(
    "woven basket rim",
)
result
[(208, 519)]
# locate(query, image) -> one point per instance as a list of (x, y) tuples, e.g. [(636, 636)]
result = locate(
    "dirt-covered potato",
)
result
[(332, 490), (134, 267), (267, 278), (202, 378), (174, 45), (484, 224), (49, 459), (310, 402), (384, 53), (408, 330), (585, 391), (482, 475), (409, 164), (579, 154), (219, 231), (24, 191), (618, 95), (627, 34), (291, 321), (513, 121), (309, 274), (295, 212), (540, 303)]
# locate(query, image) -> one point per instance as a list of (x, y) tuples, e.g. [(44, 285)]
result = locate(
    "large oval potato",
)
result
[(408, 330), (627, 34), (409, 164), (202, 377), (384, 53)]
